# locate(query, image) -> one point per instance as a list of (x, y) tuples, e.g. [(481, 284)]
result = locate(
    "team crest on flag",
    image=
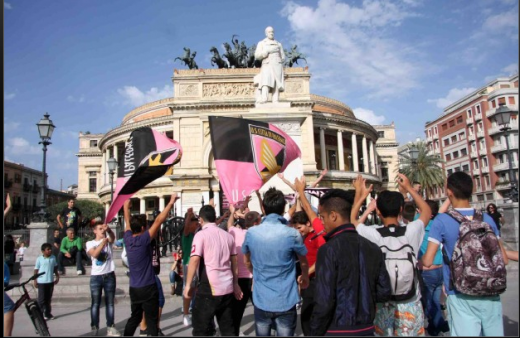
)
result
[(268, 151)]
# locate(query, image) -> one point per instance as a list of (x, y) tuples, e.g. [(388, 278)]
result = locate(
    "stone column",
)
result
[(372, 158), (355, 158), (178, 206), (365, 154), (161, 203), (142, 205), (115, 152), (104, 168), (205, 194), (322, 148), (107, 206), (341, 158)]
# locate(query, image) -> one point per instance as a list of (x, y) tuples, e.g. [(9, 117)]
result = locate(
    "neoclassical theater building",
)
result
[(327, 131)]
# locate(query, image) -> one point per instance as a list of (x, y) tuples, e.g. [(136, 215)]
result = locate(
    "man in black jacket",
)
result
[(350, 274)]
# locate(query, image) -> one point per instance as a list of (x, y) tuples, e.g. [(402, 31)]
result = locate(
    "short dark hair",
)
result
[(208, 214), (299, 217), (274, 202), (46, 246), (434, 206), (137, 222), (337, 200), (389, 203), (250, 218), (409, 210), (461, 185)]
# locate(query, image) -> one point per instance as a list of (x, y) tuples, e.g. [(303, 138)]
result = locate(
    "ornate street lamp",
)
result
[(414, 153), (503, 116), (45, 128), (112, 166)]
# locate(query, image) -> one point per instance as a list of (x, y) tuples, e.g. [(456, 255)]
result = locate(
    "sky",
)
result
[(89, 63)]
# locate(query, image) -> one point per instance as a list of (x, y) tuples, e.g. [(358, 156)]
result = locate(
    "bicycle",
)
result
[(33, 309)]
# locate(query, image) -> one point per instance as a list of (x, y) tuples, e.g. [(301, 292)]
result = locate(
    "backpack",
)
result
[(400, 262), (477, 267)]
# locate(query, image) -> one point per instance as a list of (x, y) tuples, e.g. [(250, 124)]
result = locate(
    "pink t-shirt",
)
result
[(239, 235), (215, 247)]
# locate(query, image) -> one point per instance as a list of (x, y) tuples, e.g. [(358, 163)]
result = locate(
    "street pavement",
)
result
[(74, 319)]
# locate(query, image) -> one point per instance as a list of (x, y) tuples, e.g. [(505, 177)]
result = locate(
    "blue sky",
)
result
[(88, 63)]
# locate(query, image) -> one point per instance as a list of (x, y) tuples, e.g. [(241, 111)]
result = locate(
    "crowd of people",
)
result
[(347, 278)]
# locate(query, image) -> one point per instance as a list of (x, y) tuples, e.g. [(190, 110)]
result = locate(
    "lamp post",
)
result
[(503, 116), (112, 166), (45, 128)]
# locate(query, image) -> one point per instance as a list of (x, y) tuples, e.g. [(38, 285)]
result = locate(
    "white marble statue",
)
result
[(271, 77)]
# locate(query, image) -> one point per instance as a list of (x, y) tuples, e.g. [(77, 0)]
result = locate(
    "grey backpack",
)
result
[(477, 267), (400, 262)]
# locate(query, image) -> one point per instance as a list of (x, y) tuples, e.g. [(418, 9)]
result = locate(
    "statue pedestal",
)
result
[(273, 105), (39, 234)]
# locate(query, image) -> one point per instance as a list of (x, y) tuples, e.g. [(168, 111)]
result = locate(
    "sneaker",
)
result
[(159, 332), (50, 317), (79, 272), (143, 333), (94, 331), (112, 331), (187, 320)]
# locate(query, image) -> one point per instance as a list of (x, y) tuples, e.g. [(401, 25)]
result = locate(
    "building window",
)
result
[(478, 109), (462, 136), (450, 171), (459, 119), (454, 139), (465, 168), (501, 100), (435, 130), (493, 104), (452, 123), (444, 126), (381, 134), (469, 113), (456, 154), (446, 142), (448, 157), (92, 184), (17, 178), (384, 174), (504, 86), (93, 143), (463, 152), (511, 100), (475, 164)]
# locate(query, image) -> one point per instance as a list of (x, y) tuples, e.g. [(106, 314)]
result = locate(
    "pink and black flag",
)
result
[(149, 155), (248, 153)]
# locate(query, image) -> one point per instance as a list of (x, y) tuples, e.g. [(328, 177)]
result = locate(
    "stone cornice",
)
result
[(352, 124), (148, 107), (333, 103), (179, 73), (387, 145), (89, 154), (127, 128)]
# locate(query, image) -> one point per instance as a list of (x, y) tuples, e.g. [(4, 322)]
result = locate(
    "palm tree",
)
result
[(426, 169)]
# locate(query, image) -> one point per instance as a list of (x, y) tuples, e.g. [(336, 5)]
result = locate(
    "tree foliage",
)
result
[(89, 209), (427, 169)]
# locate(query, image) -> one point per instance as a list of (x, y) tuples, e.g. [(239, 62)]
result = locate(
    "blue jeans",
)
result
[(431, 296), (283, 322), (97, 283)]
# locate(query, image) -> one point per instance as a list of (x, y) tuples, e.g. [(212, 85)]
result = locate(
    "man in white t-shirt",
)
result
[(395, 318), (102, 276)]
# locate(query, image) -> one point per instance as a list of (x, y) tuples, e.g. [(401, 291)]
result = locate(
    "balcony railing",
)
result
[(8, 184), (469, 121), (480, 134), (484, 170), (471, 137), (476, 172), (473, 154), (27, 187), (478, 116), (498, 147), (482, 152), (504, 166)]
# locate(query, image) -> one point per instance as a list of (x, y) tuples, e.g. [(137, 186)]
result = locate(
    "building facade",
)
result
[(469, 139), (24, 187), (326, 130)]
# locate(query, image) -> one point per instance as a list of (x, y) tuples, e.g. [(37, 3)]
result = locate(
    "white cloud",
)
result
[(368, 116), (511, 69), (9, 96), (453, 95), (502, 22), (20, 146), (7, 5), (80, 99), (10, 126), (344, 39), (135, 97)]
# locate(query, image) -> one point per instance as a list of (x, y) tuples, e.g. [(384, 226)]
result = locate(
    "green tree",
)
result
[(89, 209), (426, 169)]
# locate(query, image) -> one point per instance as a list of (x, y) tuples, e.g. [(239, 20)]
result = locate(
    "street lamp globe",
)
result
[(112, 166), (45, 128), (414, 152)]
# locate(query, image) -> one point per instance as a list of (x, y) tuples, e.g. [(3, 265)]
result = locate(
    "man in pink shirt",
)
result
[(213, 254)]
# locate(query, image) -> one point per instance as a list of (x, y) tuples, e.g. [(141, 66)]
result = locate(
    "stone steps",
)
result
[(73, 288)]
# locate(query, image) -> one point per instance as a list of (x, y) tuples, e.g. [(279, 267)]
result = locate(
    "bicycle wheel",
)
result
[(39, 322)]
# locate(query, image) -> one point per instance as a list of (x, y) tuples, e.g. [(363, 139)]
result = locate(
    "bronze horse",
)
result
[(216, 59), (187, 59), (293, 56)]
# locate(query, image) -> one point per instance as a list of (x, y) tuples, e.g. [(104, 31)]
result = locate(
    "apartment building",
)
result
[(468, 137)]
